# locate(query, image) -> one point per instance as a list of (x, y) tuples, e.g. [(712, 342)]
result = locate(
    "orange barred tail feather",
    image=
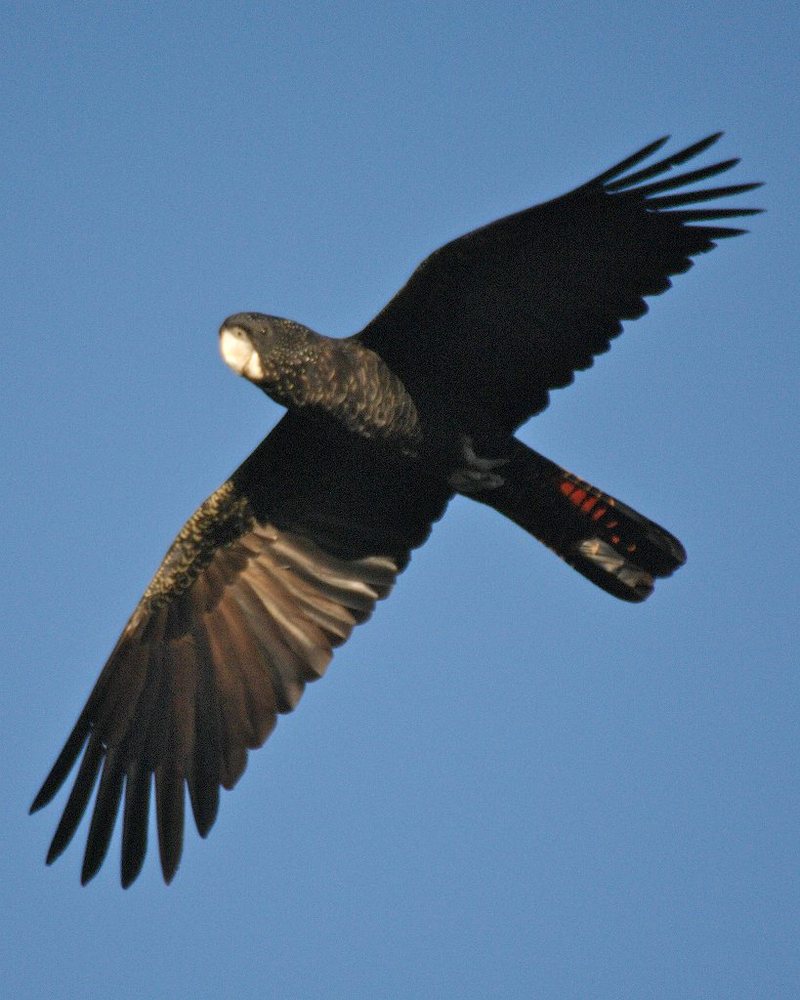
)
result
[(606, 541)]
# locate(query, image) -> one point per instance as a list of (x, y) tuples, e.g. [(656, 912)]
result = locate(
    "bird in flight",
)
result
[(382, 429)]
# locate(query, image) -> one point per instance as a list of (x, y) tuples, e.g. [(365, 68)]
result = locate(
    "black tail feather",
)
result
[(606, 541)]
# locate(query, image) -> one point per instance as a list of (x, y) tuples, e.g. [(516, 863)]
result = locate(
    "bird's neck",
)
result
[(344, 380)]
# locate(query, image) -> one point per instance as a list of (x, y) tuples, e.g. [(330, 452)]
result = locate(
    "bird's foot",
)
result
[(477, 473)]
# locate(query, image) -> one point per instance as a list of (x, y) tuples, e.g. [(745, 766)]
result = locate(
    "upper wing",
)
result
[(495, 319), (265, 579)]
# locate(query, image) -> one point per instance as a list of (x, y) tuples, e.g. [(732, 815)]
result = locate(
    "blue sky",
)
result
[(508, 783)]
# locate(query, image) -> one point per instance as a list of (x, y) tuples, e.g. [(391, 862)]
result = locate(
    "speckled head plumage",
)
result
[(259, 347)]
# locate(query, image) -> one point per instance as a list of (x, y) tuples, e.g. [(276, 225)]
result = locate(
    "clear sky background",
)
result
[(508, 785)]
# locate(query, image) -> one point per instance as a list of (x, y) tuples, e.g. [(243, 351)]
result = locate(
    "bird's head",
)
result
[(261, 348)]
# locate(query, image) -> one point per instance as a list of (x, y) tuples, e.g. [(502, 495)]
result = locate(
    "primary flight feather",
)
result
[(277, 566)]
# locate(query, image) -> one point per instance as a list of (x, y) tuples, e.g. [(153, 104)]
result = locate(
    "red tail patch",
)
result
[(592, 502)]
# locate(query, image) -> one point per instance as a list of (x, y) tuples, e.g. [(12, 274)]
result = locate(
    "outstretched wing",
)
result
[(269, 575), (495, 319)]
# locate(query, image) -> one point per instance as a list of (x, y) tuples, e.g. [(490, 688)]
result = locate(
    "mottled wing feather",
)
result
[(494, 320), (265, 580)]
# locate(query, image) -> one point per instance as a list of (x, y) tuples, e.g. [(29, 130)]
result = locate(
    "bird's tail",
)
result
[(603, 539)]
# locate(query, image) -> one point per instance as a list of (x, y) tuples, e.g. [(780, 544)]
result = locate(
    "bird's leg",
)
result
[(476, 473)]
